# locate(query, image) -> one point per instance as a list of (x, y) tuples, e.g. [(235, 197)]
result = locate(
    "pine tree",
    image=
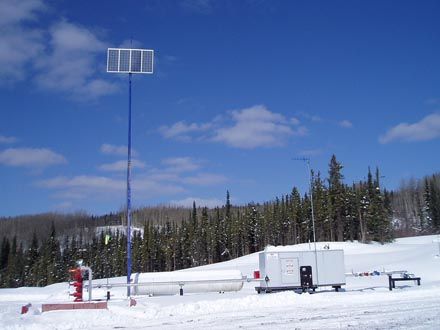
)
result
[(323, 225), (252, 228), (137, 252), (50, 267), (306, 223), (225, 230), (145, 249), (274, 215), (31, 259), (285, 221), (185, 241), (336, 197), (194, 235), (296, 215), (378, 222), (434, 202), (4, 256), (427, 204), (212, 236), (362, 205), (351, 218), (13, 278), (203, 237), (120, 256)]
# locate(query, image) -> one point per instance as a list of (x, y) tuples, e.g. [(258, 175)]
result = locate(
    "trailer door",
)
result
[(290, 271)]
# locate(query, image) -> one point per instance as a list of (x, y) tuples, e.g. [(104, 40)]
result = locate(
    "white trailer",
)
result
[(293, 270)]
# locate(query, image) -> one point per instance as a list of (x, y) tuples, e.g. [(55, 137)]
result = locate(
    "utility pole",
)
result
[(128, 60)]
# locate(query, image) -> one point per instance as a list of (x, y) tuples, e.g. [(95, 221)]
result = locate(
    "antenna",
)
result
[(128, 60), (307, 161)]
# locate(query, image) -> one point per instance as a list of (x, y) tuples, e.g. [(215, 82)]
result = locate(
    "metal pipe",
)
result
[(89, 271), (115, 285), (438, 241)]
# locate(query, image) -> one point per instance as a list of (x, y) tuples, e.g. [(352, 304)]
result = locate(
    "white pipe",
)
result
[(170, 283), (123, 284), (89, 270)]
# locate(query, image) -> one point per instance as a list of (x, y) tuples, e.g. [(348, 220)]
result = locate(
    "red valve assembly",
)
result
[(77, 278)]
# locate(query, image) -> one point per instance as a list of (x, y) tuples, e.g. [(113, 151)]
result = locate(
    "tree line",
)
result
[(192, 237)]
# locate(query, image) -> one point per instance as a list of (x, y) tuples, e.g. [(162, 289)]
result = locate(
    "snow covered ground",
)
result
[(366, 302)]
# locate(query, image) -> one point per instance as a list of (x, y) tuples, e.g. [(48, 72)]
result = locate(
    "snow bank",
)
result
[(366, 302)]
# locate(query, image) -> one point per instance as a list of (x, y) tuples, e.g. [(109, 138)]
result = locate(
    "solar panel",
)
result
[(136, 60), (147, 61), (112, 62), (123, 60)]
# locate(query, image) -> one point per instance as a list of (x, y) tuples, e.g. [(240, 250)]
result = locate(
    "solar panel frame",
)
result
[(127, 60)]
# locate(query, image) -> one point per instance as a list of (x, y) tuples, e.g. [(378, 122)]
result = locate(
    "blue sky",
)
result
[(240, 88)]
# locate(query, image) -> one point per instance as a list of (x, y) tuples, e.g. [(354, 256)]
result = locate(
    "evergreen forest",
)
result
[(38, 250)]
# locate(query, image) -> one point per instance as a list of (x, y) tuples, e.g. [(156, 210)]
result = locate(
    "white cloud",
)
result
[(346, 124), (181, 164), (204, 179), (89, 186), (29, 157), (177, 166), (257, 113), (130, 43), (426, 129), (71, 65), (63, 206), (110, 149), (158, 175), (84, 181), (7, 139), (256, 127), (17, 49), (181, 130), (312, 118), (200, 202), (295, 121), (150, 187), (200, 179), (62, 57), (121, 165), (166, 181), (316, 118), (13, 11), (247, 128), (20, 43)]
